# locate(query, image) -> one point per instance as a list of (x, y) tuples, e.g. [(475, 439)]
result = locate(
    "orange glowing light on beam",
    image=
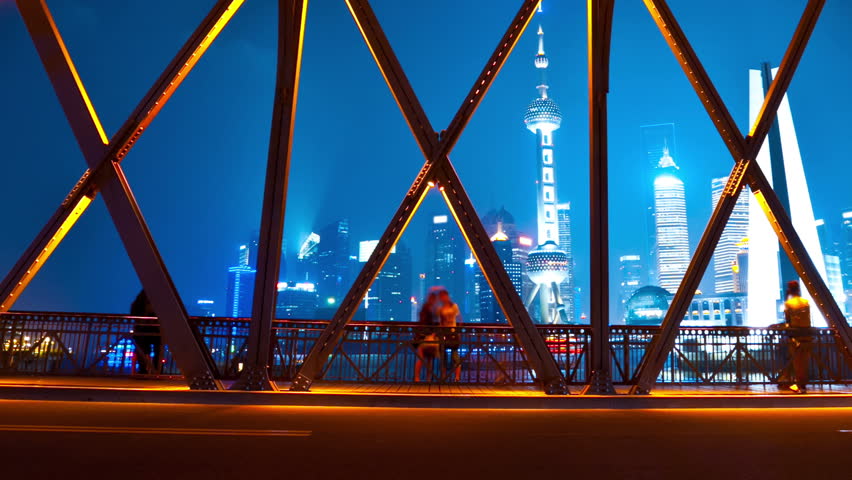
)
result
[(190, 63), (42, 257), (92, 113), (382, 70)]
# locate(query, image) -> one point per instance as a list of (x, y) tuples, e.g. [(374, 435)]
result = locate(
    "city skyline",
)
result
[(193, 218)]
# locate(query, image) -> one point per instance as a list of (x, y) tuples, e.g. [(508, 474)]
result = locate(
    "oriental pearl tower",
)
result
[(547, 265)]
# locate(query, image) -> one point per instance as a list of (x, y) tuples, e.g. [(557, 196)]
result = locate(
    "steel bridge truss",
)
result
[(105, 175), (104, 155), (746, 171), (438, 173)]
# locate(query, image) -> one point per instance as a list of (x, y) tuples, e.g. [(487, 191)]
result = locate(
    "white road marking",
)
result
[(156, 431)]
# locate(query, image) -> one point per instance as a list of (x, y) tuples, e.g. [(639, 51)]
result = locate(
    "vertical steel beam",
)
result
[(599, 35), (743, 150), (190, 354), (291, 32), (84, 191), (436, 169)]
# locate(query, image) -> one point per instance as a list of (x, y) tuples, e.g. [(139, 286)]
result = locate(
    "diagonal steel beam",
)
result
[(599, 35), (435, 150), (291, 36), (394, 75), (191, 356), (744, 151), (84, 191), (331, 335), (492, 67), (526, 334)]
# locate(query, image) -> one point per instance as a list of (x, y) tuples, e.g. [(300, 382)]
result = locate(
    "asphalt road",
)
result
[(155, 441)]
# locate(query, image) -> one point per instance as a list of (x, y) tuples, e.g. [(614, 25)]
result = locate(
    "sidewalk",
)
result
[(94, 389)]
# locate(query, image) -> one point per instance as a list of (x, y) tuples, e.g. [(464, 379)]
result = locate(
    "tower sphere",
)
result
[(547, 264), (543, 114)]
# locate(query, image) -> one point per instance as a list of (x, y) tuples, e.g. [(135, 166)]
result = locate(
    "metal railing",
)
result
[(373, 352)]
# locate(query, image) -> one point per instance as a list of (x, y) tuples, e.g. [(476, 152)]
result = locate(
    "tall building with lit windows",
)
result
[(630, 272), (489, 309), (333, 262), (725, 257), (833, 268), (238, 298), (389, 297), (547, 264), (845, 249), (671, 225), (653, 139), (781, 161), (445, 250), (567, 288)]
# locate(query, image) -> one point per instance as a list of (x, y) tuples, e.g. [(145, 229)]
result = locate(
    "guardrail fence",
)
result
[(373, 352)]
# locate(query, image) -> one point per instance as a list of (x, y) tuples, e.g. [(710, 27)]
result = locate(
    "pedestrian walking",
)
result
[(797, 317), (146, 336)]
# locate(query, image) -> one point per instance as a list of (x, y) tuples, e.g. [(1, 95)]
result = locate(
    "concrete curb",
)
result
[(618, 402)]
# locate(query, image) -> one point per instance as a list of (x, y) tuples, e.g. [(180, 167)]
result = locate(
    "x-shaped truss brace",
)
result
[(439, 173), (744, 150), (103, 156)]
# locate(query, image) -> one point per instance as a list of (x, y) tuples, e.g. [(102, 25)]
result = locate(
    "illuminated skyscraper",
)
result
[(306, 259), (630, 279), (725, 256), (547, 265), (296, 300), (334, 262), (389, 297), (490, 311), (833, 270), (670, 219), (238, 301), (846, 250), (566, 288), (205, 308), (781, 160), (445, 254), (653, 139)]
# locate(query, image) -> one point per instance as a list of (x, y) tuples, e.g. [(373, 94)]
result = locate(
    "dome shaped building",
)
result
[(647, 306)]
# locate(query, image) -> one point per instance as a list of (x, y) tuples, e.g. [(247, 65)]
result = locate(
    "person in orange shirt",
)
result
[(797, 318)]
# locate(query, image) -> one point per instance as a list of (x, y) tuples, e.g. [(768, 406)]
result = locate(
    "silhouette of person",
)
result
[(448, 314), (146, 336), (797, 318), (426, 338)]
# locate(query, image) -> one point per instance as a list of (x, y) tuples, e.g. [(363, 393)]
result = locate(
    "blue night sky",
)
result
[(198, 171)]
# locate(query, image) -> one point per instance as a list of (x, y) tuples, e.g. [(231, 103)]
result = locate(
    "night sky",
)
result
[(198, 170)]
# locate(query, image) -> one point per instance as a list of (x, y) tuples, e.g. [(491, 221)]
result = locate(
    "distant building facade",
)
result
[(631, 277), (445, 255), (389, 297), (333, 261), (489, 309), (671, 224), (725, 256), (653, 139), (296, 300)]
